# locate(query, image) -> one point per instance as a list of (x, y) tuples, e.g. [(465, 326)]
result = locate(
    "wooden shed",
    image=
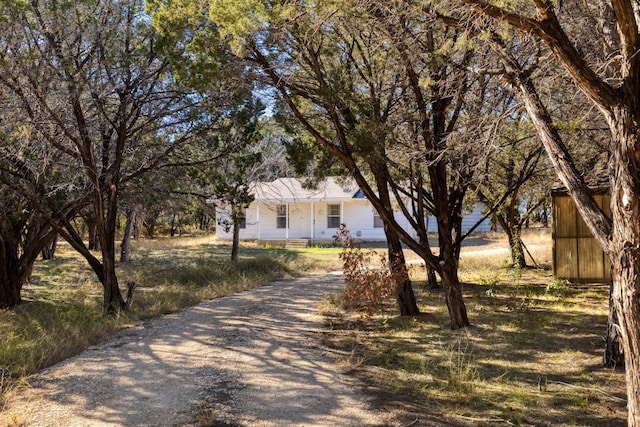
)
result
[(576, 254)]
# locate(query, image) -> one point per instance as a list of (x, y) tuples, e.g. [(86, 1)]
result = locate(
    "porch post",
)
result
[(258, 220), (313, 222)]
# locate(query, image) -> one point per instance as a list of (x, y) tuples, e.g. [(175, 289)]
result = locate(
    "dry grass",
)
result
[(532, 357)]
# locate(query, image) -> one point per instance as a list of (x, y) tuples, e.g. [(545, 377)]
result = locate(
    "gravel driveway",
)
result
[(251, 359)]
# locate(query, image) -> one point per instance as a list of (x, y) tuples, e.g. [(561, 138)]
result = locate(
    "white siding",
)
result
[(358, 217), (468, 221), (266, 225), (476, 215), (357, 214)]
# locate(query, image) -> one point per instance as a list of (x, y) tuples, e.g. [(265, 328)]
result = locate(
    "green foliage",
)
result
[(490, 280), (309, 160), (239, 20), (191, 43), (558, 287)]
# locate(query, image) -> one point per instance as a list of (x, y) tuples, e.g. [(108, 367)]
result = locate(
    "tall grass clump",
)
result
[(461, 370), (201, 279), (39, 333)]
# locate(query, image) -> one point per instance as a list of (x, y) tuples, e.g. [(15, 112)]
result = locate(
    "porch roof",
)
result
[(287, 190)]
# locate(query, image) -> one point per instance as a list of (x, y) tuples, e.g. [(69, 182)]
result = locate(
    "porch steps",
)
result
[(289, 243)]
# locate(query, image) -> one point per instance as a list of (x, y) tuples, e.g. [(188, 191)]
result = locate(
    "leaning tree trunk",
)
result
[(620, 238), (403, 291), (405, 297)]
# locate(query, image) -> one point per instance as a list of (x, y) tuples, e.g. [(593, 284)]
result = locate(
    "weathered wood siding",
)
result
[(576, 254)]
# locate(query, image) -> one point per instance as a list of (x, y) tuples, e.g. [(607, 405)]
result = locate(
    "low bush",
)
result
[(368, 286)]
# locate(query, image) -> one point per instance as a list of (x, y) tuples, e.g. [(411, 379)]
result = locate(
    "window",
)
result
[(333, 216), (242, 216), (377, 221), (281, 216)]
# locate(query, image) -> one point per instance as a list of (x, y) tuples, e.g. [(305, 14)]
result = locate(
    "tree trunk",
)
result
[(49, 251), (453, 295), (9, 292), (613, 356), (235, 245), (16, 265), (512, 229), (449, 225), (625, 249), (125, 246), (150, 226), (92, 231), (173, 228), (432, 280), (113, 300), (517, 249), (626, 298), (10, 286), (545, 216), (405, 297), (205, 221)]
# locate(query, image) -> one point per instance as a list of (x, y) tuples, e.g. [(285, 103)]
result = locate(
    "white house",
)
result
[(283, 210)]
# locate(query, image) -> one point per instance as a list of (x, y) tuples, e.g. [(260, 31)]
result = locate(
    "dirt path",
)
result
[(250, 359)]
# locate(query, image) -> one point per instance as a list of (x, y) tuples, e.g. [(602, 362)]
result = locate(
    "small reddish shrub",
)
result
[(368, 287)]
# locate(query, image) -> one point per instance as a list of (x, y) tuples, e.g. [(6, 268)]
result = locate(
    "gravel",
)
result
[(250, 359)]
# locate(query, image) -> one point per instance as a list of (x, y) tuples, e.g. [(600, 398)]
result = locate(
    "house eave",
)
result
[(291, 200)]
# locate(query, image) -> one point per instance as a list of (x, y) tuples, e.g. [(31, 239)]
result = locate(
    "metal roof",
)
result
[(292, 190), (598, 183)]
